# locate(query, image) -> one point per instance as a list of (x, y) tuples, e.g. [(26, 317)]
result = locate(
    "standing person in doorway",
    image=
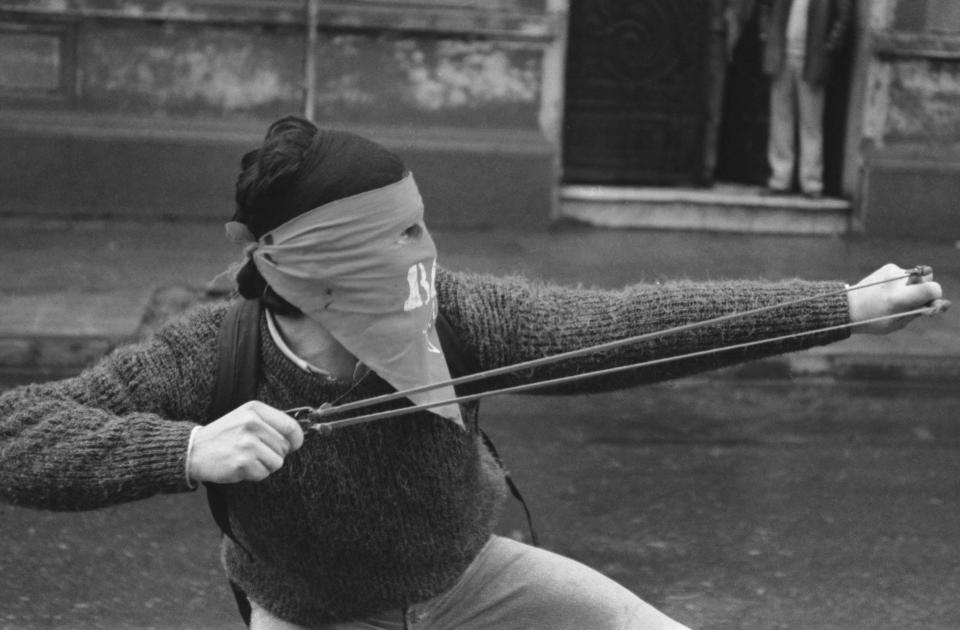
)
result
[(736, 14), (801, 40), (388, 524)]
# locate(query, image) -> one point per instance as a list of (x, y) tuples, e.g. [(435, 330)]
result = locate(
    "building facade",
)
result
[(903, 153), (509, 112), (143, 107)]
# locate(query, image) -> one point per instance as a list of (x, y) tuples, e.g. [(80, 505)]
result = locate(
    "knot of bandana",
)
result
[(364, 268)]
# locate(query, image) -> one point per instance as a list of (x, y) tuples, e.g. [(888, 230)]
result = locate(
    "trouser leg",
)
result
[(811, 104), (513, 586), (781, 153)]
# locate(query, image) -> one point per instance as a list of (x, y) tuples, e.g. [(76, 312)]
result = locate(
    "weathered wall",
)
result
[(202, 70), (449, 82), (910, 131), (155, 89), (188, 70), (924, 106)]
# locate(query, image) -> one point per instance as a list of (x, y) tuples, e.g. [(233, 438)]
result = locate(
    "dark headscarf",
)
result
[(300, 167)]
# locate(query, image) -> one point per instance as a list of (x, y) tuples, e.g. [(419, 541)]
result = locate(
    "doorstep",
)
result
[(723, 207)]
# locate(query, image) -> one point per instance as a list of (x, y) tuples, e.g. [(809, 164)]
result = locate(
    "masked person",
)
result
[(387, 524)]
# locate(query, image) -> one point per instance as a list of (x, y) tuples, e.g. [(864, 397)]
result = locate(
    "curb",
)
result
[(848, 367), (44, 357), (53, 352), (35, 356)]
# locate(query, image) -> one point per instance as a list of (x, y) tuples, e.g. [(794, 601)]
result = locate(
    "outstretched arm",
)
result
[(507, 321)]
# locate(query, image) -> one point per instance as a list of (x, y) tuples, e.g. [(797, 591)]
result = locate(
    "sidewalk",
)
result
[(71, 290)]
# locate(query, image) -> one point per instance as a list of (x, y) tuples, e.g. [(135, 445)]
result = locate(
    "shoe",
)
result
[(814, 194)]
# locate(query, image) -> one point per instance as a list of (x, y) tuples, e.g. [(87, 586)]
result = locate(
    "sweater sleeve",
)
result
[(504, 321), (117, 432)]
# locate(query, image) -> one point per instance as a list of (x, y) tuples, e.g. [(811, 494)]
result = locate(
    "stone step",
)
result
[(723, 207)]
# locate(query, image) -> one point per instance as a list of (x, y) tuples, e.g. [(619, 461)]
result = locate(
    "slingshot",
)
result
[(313, 418)]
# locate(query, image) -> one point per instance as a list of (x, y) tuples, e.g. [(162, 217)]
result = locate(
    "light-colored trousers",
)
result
[(795, 106), (513, 586)]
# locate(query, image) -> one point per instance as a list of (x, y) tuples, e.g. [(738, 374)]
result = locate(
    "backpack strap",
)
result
[(238, 370), (239, 353), (460, 363)]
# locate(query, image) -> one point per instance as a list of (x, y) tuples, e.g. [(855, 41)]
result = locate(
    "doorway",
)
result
[(652, 99), (745, 116), (637, 92)]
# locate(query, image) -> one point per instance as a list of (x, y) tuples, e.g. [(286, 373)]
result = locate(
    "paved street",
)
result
[(607, 146), (731, 505), (829, 501)]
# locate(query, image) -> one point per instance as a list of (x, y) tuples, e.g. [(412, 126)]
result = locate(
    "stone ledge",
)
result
[(186, 170), (247, 133), (499, 20)]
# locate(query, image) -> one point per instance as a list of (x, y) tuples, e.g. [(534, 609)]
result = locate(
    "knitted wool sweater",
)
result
[(378, 515)]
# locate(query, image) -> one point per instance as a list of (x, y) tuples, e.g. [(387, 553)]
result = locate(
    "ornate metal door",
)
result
[(639, 92)]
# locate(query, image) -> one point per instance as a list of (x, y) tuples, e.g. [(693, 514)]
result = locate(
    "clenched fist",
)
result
[(877, 297), (247, 444)]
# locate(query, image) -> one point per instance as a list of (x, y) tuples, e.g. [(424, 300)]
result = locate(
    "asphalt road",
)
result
[(726, 504)]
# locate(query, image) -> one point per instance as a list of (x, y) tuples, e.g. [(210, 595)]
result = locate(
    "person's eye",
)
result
[(413, 232)]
